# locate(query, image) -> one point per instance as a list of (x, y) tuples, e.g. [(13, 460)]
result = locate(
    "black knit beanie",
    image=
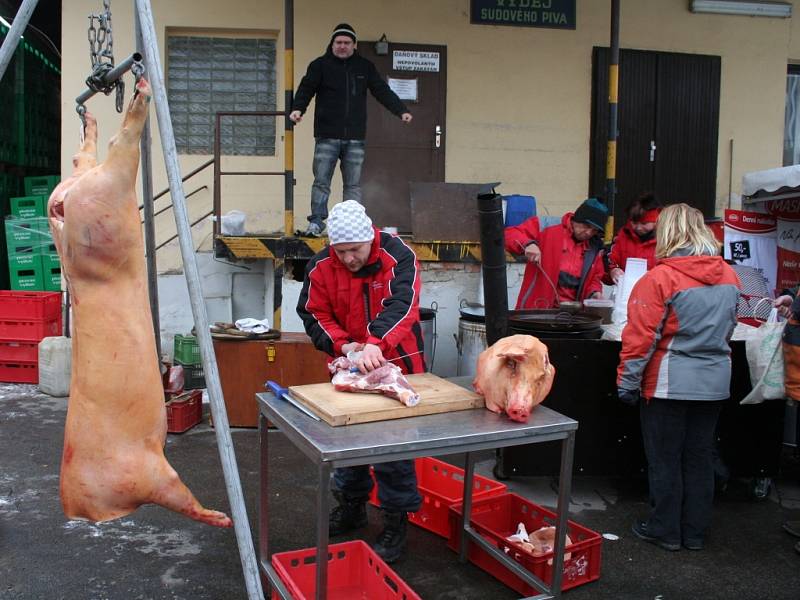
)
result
[(344, 29), (592, 212)]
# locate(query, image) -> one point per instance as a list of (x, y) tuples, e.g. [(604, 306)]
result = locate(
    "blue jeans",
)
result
[(678, 440), (397, 485), (327, 151)]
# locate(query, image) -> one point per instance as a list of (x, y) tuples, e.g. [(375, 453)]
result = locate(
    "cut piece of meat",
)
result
[(116, 426), (387, 380)]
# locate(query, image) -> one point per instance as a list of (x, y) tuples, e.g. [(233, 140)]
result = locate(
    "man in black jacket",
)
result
[(340, 80)]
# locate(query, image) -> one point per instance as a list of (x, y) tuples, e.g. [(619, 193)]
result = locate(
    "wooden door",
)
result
[(397, 153), (668, 124)]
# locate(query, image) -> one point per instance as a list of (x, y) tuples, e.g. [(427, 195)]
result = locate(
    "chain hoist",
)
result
[(101, 51)]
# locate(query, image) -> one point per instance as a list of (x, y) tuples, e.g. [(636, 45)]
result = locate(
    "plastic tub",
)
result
[(354, 571), (441, 485), (497, 517)]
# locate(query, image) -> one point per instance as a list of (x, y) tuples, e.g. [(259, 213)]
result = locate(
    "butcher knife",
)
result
[(282, 392)]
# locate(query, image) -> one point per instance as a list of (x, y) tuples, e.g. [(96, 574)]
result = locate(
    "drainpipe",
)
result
[(493, 257)]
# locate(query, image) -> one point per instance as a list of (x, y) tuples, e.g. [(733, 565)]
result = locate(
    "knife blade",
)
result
[(282, 392)]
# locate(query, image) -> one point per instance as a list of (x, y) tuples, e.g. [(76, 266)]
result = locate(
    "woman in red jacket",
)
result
[(564, 261), (636, 239), (676, 357)]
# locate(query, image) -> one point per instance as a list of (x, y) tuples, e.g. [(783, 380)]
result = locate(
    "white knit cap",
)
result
[(348, 223)]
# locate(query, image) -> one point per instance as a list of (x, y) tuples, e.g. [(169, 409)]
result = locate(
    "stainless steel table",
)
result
[(369, 443)]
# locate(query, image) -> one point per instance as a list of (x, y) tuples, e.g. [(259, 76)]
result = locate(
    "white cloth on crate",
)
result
[(252, 325)]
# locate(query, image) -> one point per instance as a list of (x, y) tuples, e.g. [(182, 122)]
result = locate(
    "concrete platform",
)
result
[(156, 554)]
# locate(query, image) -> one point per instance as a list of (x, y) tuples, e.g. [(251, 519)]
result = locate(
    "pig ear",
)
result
[(515, 356)]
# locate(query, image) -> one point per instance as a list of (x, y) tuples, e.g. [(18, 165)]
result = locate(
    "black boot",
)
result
[(349, 515), (392, 541)]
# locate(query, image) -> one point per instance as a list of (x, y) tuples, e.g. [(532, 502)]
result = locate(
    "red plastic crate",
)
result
[(441, 485), (14, 351), (19, 372), (497, 518), (184, 411), (29, 306), (29, 330), (354, 571)]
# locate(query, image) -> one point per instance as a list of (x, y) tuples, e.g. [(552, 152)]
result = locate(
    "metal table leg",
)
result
[(562, 510), (263, 495), (469, 470), (323, 520)]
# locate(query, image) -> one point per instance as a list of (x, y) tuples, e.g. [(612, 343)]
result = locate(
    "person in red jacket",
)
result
[(636, 239), (361, 294), (676, 357), (564, 261)]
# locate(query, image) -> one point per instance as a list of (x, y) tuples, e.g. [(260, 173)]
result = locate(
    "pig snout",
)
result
[(520, 404)]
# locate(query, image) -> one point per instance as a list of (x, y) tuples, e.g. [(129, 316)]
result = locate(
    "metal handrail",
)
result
[(192, 224), (168, 206), (218, 172), (190, 174)]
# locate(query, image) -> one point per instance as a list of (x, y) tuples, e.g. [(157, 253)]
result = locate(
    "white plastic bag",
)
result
[(233, 223), (764, 349)]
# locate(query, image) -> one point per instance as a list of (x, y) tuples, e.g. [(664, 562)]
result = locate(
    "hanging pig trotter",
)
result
[(113, 458)]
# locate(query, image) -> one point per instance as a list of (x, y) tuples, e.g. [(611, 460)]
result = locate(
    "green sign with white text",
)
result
[(556, 14)]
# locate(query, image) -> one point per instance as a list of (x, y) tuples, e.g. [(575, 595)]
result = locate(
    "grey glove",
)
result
[(629, 397)]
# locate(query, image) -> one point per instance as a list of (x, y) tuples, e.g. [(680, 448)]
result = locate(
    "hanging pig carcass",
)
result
[(113, 459), (513, 375)]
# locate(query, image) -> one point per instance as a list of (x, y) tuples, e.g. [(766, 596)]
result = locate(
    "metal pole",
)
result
[(227, 455), (111, 76), (613, 98), (149, 216), (288, 146), (15, 33)]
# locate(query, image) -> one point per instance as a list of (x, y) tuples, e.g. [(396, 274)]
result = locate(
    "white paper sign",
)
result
[(413, 60), (406, 89)]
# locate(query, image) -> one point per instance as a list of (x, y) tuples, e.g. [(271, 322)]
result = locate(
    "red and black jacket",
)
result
[(379, 304)]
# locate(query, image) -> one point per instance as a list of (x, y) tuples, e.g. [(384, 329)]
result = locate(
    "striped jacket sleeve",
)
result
[(316, 311), (400, 308)]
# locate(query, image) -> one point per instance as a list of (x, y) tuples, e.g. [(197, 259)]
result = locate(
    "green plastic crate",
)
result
[(25, 272), (51, 272), (24, 230), (26, 207), (185, 350), (41, 185)]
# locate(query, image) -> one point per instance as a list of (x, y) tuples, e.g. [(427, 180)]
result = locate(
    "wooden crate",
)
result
[(244, 367)]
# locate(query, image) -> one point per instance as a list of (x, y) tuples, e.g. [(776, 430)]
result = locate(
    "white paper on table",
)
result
[(635, 268)]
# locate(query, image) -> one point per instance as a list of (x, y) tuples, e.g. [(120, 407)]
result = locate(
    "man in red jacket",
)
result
[(564, 261), (362, 294)]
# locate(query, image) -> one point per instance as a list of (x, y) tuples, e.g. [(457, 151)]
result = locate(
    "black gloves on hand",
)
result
[(629, 397)]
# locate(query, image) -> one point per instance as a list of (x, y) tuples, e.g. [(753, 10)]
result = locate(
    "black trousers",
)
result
[(678, 440), (397, 485)]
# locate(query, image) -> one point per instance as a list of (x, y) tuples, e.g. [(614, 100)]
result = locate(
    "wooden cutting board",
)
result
[(347, 408)]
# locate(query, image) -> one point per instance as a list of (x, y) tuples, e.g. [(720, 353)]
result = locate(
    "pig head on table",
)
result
[(514, 375), (113, 459)]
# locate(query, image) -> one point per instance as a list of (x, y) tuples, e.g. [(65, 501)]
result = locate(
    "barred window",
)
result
[(210, 74)]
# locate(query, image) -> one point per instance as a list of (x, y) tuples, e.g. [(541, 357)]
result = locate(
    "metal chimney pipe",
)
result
[(493, 257)]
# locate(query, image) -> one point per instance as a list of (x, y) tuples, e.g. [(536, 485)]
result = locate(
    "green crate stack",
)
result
[(28, 241), (186, 353)]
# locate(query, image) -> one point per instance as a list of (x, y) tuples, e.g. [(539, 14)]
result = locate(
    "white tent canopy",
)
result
[(770, 180)]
